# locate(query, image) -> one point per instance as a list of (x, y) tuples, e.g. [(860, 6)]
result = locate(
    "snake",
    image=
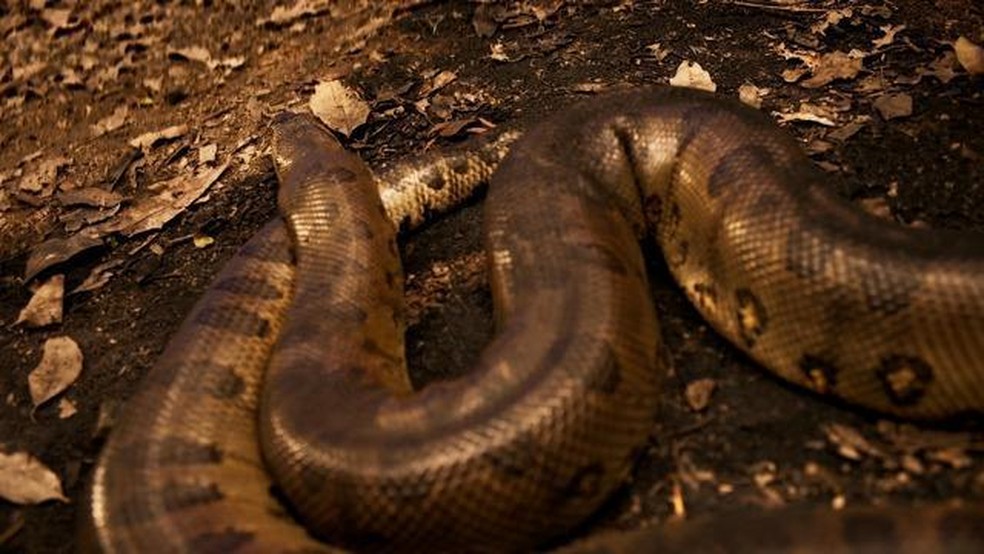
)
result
[(290, 369)]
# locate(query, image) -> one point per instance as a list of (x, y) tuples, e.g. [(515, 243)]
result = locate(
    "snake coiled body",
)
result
[(548, 423)]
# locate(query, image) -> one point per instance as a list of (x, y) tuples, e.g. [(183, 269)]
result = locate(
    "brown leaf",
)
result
[(25, 480), (892, 106), (339, 107), (148, 140), (112, 121), (692, 75), (56, 251), (45, 306), (970, 56), (833, 66), (60, 366), (173, 196)]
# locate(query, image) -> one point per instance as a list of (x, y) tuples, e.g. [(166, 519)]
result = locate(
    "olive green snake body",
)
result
[(532, 440)]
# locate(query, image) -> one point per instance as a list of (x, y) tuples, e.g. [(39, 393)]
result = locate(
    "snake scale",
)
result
[(533, 439)]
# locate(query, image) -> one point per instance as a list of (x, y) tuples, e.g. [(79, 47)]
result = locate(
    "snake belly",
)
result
[(532, 440)]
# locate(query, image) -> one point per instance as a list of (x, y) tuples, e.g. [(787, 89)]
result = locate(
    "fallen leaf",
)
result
[(111, 122), (752, 95), (94, 197), (173, 196), (833, 66), (147, 140), (698, 394), (56, 251), (198, 54), (302, 8), (970, 56), (45, 174), (25, 480), (206, 154), (60, 366), (66, 408), (99, 276), (891, 106), (889, 36), (692, 75), (339, 107), (45, 306)]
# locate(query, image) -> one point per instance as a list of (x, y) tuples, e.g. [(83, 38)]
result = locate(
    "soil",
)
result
[(77, 86)]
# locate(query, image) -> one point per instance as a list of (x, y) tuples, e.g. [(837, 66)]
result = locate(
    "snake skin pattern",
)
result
[(531, 441)]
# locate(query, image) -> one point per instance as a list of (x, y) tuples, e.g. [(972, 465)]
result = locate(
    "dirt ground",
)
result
[(80, 80)]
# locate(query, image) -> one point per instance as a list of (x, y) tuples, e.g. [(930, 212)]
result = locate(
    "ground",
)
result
[(80, 80)]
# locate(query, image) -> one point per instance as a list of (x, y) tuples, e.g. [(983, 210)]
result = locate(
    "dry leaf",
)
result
[(94, 197), (698, 394), (44, 174), (173, 196), (56, 251), (752, 95), (833, 66), (206, 154), (25, 480), (890, 32), (302, 8), (970, 56), (150, 139), (45, 306), (339, 107), (60, 366), (692, 75), (891, 106), (111, 122), (66, 409), (99, 276)]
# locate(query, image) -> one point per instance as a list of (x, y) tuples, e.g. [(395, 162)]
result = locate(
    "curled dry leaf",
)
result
[(692, 75), (339, 107), (25, 480), (45, 307), (60, 366), (56, 251), (970, 56)]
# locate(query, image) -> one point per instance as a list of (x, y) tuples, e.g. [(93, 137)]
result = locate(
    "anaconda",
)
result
[(531, 441)]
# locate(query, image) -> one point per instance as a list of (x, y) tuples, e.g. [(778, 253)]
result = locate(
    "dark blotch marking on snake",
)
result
[(734, 167), (255, 287), (176, 451), (234, 319), (609, 375), (178, 496), (516, 461), (751, 316), (868, 528), (345, 310), (226, 385), (960, 528), (905, 379), (601, 256), (585, 483), (821, 373), (229, 540), (339, 174)]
